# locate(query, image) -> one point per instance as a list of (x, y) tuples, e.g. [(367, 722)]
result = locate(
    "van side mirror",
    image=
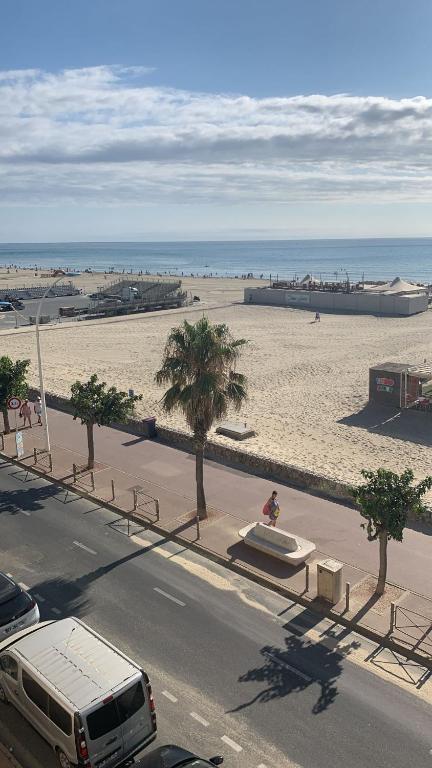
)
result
[(218, 760)]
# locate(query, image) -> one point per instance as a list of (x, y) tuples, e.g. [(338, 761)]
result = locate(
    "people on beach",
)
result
[(38, 410), (272, 509), (25, 413), (317, 317)]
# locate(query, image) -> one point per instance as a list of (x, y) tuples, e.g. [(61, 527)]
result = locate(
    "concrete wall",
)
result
[(248, 462), (362, 301)]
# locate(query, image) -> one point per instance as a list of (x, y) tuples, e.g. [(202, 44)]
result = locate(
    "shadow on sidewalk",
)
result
[(262, 562), (293, 669)]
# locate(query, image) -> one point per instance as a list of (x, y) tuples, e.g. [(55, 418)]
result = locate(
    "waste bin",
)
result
[(329, 580), (149, 426)]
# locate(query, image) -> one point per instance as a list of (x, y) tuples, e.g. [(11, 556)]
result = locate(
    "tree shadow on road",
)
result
[(65, 595), (295, 668), (30, 499)]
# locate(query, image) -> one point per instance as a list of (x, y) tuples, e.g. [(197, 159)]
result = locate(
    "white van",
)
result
[(88, 700)]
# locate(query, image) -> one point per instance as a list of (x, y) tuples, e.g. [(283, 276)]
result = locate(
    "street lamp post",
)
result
[(41, 381)]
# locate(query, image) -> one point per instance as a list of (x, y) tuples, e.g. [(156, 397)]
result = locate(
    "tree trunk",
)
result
[(6, 420), (200, 440), (90, 441), (383, 541)]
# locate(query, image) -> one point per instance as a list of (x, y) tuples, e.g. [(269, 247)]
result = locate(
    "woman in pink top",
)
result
[(25, 413)]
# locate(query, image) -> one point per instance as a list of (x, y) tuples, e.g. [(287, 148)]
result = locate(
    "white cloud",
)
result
[(101, 134)]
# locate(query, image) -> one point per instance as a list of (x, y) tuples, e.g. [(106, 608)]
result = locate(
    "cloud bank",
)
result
[(102, 135)]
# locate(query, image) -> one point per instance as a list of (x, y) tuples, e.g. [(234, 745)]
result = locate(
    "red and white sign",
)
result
[(14, 403), (385, 382)]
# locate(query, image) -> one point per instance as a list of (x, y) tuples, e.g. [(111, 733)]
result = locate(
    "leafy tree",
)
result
[(386, 500), (94, 404), (12, 383), (199, 362)]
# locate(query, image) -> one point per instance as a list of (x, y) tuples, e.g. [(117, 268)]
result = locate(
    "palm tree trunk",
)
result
[(200, 441), (6, 420), (90, 441), (383, 541)]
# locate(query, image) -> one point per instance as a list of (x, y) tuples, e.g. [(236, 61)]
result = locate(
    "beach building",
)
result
[(397, 297), (401, 385)]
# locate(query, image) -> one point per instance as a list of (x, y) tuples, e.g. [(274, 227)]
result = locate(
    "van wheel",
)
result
[(63, 759), (3, 697)]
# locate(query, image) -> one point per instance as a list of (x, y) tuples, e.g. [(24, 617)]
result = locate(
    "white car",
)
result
[(18, 609)]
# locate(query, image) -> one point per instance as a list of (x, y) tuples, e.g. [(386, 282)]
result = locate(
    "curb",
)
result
[(321, 611)]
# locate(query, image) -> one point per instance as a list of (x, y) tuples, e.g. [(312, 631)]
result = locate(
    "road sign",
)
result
[(19, 444), (14, 403)]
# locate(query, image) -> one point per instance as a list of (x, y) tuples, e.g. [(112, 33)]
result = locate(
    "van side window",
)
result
[(9, 665), (35, 692), (60, 717), (130, 701)]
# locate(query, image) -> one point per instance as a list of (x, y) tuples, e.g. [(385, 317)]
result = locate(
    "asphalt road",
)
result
[(232, 671), (50, 307)]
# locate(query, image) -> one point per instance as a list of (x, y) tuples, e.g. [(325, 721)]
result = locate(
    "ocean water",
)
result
[(330, 259)]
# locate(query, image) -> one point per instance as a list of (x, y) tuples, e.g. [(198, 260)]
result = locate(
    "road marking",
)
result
[(285, 665), (200, 719), (56, 611), (24, 512), (23, 586), (83, 546), (170, 597), (233, 744), (169, 696), (39, 598)]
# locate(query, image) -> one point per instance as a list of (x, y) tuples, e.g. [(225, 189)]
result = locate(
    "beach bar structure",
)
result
[(394, 298), (401, 385)]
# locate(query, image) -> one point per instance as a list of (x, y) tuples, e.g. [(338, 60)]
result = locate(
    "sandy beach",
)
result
[(308, 382)]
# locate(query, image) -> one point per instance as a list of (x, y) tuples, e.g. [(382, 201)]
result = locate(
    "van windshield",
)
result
[(112, 714)]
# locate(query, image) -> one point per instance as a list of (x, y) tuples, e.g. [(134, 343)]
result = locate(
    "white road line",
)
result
[(23, 586), (170, 597), (83, 546), (56, 611), (233, 744), (285, 665), (169, 696), (39, 598), (200, 719), (24, 512)]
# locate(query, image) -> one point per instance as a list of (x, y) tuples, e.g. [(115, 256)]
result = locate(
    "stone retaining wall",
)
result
[(248, 462)]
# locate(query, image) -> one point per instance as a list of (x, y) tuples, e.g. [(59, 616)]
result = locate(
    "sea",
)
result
[(368, 259)]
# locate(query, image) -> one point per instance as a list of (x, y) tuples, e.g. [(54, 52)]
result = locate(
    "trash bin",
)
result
[(149, 426), (329, 580)]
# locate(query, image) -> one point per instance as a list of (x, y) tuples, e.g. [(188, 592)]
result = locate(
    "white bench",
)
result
[(274, 541)]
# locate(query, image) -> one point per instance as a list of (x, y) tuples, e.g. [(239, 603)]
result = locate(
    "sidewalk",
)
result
[(235, 498)]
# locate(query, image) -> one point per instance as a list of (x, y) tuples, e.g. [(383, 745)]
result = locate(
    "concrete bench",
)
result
[(274, 541)]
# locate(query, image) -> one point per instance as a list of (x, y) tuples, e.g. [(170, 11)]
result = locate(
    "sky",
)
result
[(197, 119)]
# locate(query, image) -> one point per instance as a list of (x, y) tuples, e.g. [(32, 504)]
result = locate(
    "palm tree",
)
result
[(199, 362)]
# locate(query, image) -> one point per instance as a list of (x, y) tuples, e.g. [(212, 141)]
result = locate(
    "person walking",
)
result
[(38, 410), (317, 317), (273, 508), (25, 413)]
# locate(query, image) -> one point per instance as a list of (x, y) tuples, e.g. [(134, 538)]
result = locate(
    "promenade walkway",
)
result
[(236, 497)]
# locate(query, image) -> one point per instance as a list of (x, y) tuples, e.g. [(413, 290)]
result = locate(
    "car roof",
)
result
[(168, 756), (8, 588), (75, 661)]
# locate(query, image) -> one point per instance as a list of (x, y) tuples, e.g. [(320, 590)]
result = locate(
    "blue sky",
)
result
[(203, 119)]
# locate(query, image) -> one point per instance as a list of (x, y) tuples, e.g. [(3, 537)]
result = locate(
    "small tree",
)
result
[(12, 384), (199, 363), (386, 500), (94, 404)]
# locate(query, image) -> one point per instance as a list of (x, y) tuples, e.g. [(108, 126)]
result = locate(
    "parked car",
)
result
[(16, 303), (18, 609), (6, 306), (171, 756), (89, 701)]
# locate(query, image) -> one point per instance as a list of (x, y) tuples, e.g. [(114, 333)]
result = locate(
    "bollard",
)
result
[(112, 490), (74, 470), (392, 616), (135, 499), (198, 527), (92, 480), (157, 510), (35, 455), (347, 595), (2, 442), (307, 577), (50, 461)]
